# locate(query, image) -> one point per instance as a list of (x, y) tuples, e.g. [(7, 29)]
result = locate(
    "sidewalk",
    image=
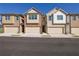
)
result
[(20, 34), (61, 35), (36, 35)]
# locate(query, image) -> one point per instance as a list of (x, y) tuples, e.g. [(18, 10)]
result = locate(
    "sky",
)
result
[(21, 8)]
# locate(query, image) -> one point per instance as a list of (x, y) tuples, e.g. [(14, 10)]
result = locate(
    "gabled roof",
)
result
[(73, 14), (35, 10), (58, 9)]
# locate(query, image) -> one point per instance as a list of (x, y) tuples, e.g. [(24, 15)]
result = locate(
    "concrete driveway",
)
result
[(26, 46)]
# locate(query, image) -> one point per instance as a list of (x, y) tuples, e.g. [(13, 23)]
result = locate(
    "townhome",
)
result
[(74, 23), (33, 21), (11, 23), (61, 22), (56, 21)]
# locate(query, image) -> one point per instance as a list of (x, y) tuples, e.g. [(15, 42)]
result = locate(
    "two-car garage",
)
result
[(75, 30), (55, 30), (11, 29), (32, 30), (62, 30)]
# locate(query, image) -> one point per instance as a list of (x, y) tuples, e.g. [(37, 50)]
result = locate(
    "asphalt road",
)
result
[(18, 46)]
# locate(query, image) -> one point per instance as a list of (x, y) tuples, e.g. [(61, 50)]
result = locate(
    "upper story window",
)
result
[(7, 17), (59, 17), (33, 16), (78, 17), (0, 19), (73, 17), (17, 17), (51, 17)]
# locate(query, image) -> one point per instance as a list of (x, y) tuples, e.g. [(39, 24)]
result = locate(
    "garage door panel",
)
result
[(32, 30), (75, 30), (55, 30), (11, 29)]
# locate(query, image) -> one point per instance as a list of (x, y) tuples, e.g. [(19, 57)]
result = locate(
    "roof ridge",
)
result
[(35, 10)]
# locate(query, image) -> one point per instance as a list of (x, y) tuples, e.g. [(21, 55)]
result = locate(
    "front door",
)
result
[(43, 29), (23, 29)]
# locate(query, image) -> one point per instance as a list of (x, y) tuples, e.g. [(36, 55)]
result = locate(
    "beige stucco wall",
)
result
[(32, 30), (55, 30)]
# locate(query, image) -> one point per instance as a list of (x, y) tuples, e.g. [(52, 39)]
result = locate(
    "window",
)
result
[(17, 17), (59, 17), (78, 17), (51, 17), (74, 17), (30, 17), (33, 16), (0, 19), (7, 17)]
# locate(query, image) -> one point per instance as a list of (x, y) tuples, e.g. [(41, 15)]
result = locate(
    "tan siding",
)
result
[(75, 23), (3, 19), (12, 19), (8, 21)]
